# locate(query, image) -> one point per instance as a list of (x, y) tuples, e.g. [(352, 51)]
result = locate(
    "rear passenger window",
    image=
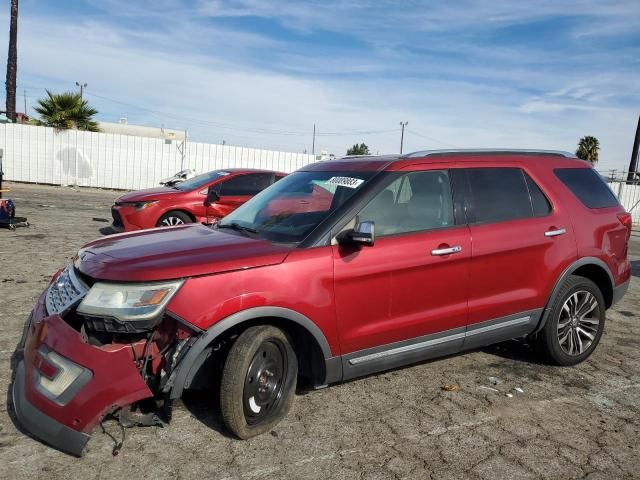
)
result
[(588, 186), (498, 195), (540, 203)]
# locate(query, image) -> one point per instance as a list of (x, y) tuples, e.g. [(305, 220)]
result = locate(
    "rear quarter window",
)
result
[(588, 186)]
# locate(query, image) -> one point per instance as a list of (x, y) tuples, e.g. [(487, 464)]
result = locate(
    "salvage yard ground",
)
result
[(567, 422)]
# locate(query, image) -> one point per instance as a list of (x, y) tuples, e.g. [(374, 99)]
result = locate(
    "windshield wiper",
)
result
[(236, 226)]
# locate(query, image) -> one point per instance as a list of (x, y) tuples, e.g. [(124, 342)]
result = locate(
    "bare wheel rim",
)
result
[(171, 221), (578, 323), (264, 382)]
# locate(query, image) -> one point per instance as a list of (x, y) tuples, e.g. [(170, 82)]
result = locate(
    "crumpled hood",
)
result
[(148, 194), (176, 252)]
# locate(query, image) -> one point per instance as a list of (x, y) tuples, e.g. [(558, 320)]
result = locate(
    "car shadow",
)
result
[(204, 406), (109, 230), (635, 268)]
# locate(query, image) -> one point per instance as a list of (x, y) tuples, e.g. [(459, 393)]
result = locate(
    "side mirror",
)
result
[(212, 196), (363, 234)]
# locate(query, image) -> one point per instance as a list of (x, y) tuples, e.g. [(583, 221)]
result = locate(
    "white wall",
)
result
[(629, 196), (68, 157)]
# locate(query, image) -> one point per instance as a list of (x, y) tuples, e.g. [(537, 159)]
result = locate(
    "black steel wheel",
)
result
[(258, 381)]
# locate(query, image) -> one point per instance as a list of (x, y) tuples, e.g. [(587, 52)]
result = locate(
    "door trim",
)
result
[(405, 352)]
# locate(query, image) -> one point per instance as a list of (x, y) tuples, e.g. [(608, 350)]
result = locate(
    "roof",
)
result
[(394, 162)]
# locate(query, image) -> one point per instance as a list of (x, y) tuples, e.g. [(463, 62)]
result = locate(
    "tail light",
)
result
[(625, 220)]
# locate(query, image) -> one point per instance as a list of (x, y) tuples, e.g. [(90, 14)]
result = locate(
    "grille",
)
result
[(117, 220), (65, 292)]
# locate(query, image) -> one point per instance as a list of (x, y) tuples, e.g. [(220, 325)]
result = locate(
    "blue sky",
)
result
[(535, 74)]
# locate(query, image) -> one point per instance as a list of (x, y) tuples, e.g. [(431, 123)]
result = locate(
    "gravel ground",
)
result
[(568, 422)]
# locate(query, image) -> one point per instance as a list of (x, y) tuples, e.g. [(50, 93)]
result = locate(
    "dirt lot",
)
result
[(569, 422)]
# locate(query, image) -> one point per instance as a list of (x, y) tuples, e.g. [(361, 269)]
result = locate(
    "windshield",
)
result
[(290, 209), (200, 180)]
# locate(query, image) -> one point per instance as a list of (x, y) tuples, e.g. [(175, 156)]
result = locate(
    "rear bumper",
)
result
[(619, 292), (42, 426)]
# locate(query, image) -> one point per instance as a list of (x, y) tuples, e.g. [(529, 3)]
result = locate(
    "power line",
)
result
[(413, 132)]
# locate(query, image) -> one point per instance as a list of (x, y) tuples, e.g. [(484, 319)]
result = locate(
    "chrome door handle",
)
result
[(555, 233), (446, 251)]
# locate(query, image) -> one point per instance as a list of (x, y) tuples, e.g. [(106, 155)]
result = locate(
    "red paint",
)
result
[(192, 202)]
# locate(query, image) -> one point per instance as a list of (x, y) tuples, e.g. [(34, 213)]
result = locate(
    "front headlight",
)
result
[(137, 205), (128, 302)]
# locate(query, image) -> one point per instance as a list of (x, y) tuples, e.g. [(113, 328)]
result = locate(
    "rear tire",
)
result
[(575, 323), (173, 218), (258, 381)]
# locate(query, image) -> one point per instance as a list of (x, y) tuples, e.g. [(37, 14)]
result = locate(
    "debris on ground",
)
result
[(489, 388), (519, 390), (451, 387), (495, 381)]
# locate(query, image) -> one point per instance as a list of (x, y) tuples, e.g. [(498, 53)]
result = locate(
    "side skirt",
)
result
[(406, 352)]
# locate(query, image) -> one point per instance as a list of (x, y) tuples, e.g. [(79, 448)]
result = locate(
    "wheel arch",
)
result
[(311, 346), (589, 267)]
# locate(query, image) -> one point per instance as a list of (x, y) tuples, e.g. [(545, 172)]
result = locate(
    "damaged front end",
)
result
[(94, 349)]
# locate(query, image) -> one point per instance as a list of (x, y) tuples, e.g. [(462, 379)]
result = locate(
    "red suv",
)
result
[(341, 269), (203, 199)]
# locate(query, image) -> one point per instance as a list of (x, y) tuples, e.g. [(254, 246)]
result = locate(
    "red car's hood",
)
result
[(147, 194), (167, 253)]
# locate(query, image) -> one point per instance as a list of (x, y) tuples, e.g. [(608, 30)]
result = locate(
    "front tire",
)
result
[(171, 219), (575, 323), (258, 381)]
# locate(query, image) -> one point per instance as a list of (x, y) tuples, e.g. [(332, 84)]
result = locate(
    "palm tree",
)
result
[(588, 149), (67, 110), (12, 63)]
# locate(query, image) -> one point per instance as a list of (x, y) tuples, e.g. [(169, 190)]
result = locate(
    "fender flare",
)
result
[(563, 276), (192, 358)]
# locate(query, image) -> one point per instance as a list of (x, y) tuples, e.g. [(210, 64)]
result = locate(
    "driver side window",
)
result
[(414, 202)]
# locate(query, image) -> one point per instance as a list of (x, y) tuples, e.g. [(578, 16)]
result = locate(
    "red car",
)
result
[(202, 199), (341, 269)]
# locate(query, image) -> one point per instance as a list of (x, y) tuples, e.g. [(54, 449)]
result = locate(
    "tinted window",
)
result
[(541, 205), (414, 202), (587, 185), (200, 180), (498, 194), (244, 185)]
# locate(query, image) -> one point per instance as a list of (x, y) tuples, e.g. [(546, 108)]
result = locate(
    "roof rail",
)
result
[(517, 151)]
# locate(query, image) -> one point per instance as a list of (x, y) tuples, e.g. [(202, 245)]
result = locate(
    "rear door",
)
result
[(519, 242), (405, 298)]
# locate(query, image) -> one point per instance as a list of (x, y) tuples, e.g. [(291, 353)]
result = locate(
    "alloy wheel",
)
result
[(578, 323), (172, 221)]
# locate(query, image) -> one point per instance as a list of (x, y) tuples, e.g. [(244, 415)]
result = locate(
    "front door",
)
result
[(405, 298)]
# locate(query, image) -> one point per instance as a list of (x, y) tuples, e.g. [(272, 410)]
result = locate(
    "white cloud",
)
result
[(223, 83)]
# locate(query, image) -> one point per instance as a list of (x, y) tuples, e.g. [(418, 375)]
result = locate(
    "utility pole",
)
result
[(402, 124), (313, 145), (82, 87), (25, 102), (12, 63), (633, 163)]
